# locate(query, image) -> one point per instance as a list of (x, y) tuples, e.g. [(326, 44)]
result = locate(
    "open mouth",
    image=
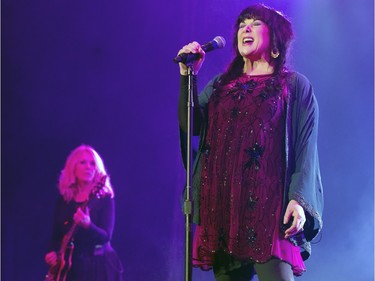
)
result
[(247, 40)]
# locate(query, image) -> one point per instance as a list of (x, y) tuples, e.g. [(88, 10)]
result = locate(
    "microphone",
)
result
[(217, 43)]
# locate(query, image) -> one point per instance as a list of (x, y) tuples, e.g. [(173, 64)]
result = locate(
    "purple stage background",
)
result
[(101, 73)]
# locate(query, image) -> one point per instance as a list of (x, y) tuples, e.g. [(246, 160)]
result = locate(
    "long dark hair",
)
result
[(281, 34)]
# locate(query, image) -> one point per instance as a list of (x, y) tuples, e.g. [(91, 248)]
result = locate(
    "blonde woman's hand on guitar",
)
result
[(82, 218), (51, 258)]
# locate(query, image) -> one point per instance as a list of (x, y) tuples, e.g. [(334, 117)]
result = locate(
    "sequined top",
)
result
[(242, 170)]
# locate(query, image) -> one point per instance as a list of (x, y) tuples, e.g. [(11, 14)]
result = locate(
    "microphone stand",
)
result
[(187, 202)]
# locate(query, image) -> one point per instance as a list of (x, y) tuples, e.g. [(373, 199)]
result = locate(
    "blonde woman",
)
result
[(84, 219)]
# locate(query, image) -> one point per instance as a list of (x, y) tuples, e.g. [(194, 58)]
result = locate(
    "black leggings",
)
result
[(273, 270)]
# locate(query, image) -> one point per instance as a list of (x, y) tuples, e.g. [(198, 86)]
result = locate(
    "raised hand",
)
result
[(194, 48)]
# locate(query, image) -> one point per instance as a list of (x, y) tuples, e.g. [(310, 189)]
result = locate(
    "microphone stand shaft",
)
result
[(188, 202)]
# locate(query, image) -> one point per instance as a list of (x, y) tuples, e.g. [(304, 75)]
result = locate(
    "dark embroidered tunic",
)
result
[(242, 175)]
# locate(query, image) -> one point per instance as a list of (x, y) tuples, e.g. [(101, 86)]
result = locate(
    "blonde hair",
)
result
[(67, 181)]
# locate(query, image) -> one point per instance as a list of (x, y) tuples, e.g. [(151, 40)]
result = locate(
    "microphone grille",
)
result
[(220, 41)]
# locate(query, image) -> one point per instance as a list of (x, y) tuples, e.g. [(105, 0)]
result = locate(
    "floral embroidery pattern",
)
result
[(272, 87), (252, 237), (235, 111), (252, 202), (242, 89), (255, 152)]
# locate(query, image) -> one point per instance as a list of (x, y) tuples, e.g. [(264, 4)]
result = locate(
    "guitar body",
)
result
[(60, 271)]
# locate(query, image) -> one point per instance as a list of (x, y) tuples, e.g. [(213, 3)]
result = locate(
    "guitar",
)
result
[(60, 271)]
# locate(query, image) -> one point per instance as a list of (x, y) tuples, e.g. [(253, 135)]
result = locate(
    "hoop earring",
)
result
[(275, 53)]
